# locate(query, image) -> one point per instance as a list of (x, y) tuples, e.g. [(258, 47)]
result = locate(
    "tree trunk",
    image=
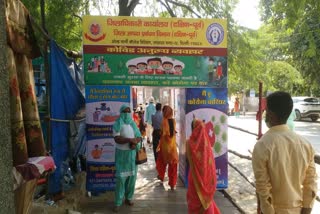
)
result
[(6, 183), (126, 8)]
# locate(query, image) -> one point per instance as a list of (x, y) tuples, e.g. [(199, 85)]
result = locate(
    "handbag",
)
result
[(141, 155)]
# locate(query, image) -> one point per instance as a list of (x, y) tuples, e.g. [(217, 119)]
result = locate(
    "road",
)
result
[(310, 130)]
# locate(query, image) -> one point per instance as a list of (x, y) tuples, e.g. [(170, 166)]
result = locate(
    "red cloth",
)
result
[(211, 134), (161, 166), (194, 203), (202, 174), (167, 147), (32, 169), (219, 70), (236, 106)]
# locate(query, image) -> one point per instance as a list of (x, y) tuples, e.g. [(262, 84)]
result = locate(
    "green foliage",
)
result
[(280, 72), (213, 118), (297, 24), (61, 19)]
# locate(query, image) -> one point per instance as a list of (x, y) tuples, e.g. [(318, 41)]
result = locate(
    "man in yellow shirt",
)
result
[(283, 163)]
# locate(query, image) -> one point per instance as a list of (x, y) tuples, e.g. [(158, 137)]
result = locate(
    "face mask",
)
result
[(154, 66), (126, 117)]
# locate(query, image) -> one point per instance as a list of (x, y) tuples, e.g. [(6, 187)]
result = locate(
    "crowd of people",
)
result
[(282, 161), (157, 127)]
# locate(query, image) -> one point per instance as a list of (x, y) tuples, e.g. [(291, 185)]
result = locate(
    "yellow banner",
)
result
[(137, 31)]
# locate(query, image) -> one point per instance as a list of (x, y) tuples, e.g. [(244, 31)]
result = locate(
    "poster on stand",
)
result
[(181, 136), (210, 105), (176, 52), (102, 109)]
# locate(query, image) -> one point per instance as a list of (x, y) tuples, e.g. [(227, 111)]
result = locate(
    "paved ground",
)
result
[(150, 198)]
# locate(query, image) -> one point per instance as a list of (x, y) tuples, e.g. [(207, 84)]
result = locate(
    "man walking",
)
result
[(150, 110), (283, 163), (156, 124)]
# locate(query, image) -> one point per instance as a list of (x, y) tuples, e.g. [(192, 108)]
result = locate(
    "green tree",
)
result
[(62, 19), (297, 22), (284, 77)]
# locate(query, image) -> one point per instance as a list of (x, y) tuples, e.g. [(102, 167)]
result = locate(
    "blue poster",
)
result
[(102, 109), (210, 105)]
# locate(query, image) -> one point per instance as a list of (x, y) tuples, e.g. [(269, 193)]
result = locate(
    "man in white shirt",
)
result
[(283, 163)]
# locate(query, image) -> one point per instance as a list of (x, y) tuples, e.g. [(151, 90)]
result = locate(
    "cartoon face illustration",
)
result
[(142, 66), (178, 70), (154, 63), (167, 66), (132, 69), (211, 61)]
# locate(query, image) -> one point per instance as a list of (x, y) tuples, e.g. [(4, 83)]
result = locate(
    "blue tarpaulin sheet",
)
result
[(65, 101)]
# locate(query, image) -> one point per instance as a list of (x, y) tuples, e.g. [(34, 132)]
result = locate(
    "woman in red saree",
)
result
[(202, 178), (168, 154)]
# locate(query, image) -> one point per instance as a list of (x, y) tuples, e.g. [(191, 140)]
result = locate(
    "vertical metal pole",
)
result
[(243, 99), (47, 75), (260, 111), (6, 162)]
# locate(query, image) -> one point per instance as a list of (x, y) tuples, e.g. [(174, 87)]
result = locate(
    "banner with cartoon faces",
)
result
[(155, 51)]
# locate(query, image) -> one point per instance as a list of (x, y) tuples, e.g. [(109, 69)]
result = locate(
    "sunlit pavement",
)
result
[(150, 198), (153, 198)]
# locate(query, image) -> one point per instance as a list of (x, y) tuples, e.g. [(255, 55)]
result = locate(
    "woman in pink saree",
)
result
[(202, 178)]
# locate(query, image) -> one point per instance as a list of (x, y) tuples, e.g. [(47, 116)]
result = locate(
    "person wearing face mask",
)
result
[(283, 163), (127, 136)]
